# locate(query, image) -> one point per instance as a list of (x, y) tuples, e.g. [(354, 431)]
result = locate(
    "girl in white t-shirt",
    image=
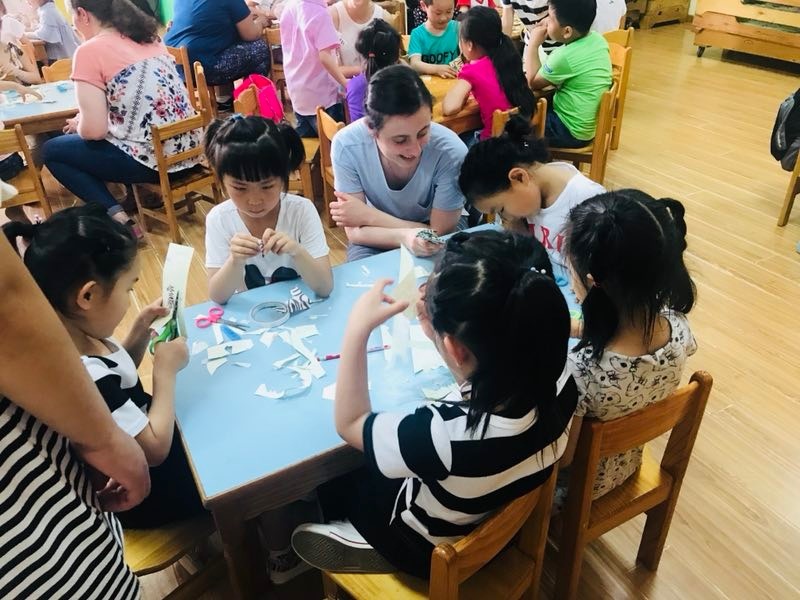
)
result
[(511, 176), (262, 234)]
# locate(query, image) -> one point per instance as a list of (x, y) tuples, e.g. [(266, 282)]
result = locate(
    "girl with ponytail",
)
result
[(625, 254), (493, 73), (379, 46), (432, 476)]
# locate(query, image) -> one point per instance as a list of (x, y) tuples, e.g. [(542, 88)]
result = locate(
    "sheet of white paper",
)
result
[(448, 392), (262, 391), (173, 285), (279, 364), (424, 355), (242, 364), (213, 365), (420, 271), (406, 288), (198, 347), (218, 337), (401, 339)]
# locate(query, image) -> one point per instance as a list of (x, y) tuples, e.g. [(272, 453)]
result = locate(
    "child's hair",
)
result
[(632, 245), (379, 44), (123, 16), (253, 148), (494, 292), (484, 171), (481, 26), (578, 14), (72, 247), (395, 90)]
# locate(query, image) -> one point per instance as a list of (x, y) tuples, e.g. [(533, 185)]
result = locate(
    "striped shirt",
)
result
[(531, 13), (55, 541), (454, 478)]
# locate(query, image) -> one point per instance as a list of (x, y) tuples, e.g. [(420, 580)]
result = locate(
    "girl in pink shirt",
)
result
[(494, 72)]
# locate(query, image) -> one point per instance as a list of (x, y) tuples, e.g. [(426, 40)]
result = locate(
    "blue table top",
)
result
[(235, 437), (58, 97)]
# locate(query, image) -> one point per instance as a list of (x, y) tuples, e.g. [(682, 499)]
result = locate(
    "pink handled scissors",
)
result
[(215, 316)]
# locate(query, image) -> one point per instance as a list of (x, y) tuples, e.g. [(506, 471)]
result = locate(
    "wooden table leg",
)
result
[(247, 567)]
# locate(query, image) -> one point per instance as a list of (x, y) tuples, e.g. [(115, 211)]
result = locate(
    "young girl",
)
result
[(350, 17), (86, 265), (494, 72), (59, 39), (379, 45), (261, 234), (512, 176), (625, 253), (431, 476), (15, 65)]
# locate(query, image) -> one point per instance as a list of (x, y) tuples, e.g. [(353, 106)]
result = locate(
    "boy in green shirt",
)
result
[(580, 69), (434, 44)]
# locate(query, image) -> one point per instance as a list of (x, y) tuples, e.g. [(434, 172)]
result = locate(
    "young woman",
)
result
[(396, 171)]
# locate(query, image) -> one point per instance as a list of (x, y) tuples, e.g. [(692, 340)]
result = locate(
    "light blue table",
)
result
[(250, 454), (41, 117)]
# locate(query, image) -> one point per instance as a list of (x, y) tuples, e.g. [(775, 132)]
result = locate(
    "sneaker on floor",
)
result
[(285, 565), (225, 105), (337, 547)]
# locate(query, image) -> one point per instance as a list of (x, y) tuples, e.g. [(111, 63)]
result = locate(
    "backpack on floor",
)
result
[(269, 105), (785, 140)]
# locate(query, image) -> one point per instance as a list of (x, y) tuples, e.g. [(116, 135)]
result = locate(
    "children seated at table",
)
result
[(434, 44), (310, 63), (530, 13), (379, 46), (350, 17), (261, 234), (59, 39), (493, 74), (512, 176), (15, 64), (462, 6), (625, 251), (581, 71), (431, 476), (86, 265)]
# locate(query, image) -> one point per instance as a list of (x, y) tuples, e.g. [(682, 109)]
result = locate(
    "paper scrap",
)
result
[(198, 347), (213, 365), (218, 338), (315, 317), (267, 338), (420, 271), (244, 365), (292, 338), (406, 288), (304, 331), (365, 270), (424, 355), (254, 332), (450, 392), (329, 392), (173, 286), (279, 364), (215, 352), (358, 285), (229, 348), (262, 391)]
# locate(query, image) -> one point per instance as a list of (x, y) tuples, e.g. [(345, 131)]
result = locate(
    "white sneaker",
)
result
[(285, 565), (337, 547)]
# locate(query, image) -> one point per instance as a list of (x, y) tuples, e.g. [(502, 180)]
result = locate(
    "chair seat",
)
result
[(495, 580), (25, 187), (329, 175), (311, 147), (579, 153), (151, 550)]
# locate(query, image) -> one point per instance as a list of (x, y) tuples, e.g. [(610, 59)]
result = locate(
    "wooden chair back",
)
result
[(396, 15), (653, 489), (327, 127), (181, 58), (206, 102), (501, 117), (484, 564), (29, 181), (791, 192), (28, 51), (621, 70), (247, 102), (405, 40), (623, 37), (272, 35), (59, 70)]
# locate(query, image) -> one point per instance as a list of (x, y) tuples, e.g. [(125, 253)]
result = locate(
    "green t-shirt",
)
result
[(435, 49), (582, 72)]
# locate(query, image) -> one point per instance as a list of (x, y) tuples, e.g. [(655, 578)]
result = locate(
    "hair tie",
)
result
[(535, 270), (236, 117), (371, 55)]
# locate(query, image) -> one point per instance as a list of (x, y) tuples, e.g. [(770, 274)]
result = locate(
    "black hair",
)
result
[(578, 14), (123, 16), (253, 148), (395, 90), (379, 44), (482, 26), (520, 356), (484, 171), (632, 245), (72, 247)]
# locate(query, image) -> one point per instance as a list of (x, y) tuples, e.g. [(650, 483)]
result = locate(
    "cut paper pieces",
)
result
[(213, 365), (279, 364), (215, 352), (293, 338), (267, 338), (254, 332), (229, 348), (406, 288), (242, 364), (424, 355), (265, 393), (198, 347), (358, 285), (365, 270), (421, 272), (304, 331), (449, 392), (217, 333), (315, 317)]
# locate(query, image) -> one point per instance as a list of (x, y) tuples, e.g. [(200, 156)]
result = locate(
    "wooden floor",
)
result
[(696, 130)]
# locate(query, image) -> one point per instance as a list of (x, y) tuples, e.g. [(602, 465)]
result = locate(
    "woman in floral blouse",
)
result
[(125, 81)]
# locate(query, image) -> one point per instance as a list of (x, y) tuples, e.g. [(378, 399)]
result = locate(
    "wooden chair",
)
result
[(206, 102), (151, 550), (396, 15), (621, 69), (791, 192), (654, 489), (594, 153), (59, 70), (272, 35), (623, 37), (326, 128), (179, 190), (181, 58), (486, 564), (405, 40), (29, 181), (501, 117), (247, 102)]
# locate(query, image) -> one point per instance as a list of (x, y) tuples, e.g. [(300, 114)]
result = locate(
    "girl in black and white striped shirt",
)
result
[(500, 323)]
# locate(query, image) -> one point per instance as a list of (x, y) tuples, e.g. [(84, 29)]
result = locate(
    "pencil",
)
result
[(338, 355)]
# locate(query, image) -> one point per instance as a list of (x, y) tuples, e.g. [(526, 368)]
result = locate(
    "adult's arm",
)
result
[(43, 374), (93, 110), (252, 28), (507, 19)]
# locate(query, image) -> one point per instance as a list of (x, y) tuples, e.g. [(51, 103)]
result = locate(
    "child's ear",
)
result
[(87, 294), (457, 351), (568, 32), (519, 176), (590, 281)]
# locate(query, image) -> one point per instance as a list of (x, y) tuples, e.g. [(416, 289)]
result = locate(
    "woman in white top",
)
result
[(349, 18)]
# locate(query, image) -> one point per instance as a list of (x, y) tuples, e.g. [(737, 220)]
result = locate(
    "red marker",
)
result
[(338, 355)]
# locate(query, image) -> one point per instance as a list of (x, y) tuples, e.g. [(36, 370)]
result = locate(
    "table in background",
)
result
[(467, 119), (250, 454), (41, 117), (40, 52)]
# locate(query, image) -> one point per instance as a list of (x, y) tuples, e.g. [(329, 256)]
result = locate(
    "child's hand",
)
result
[(538, 34), (279, 243), (349, 211), (172, 356), (244, 246), (418, 246), (446, 71), (373, 308), (72, 125), (150, 313)]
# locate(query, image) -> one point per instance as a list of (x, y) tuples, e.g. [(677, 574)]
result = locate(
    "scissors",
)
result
[(215, 316), (170, 330)]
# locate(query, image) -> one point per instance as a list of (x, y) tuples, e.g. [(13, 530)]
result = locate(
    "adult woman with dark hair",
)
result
[(396, 172), (125, 82)]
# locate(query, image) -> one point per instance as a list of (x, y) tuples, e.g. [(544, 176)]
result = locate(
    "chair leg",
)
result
[(794, 189), (328, 197), (617, 127), (330, 588), (172, 218), (305, 180), (140, 212), (570, 561), (656, 528)]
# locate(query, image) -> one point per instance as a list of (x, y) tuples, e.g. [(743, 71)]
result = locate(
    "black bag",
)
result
[(11, 166), (785, 140)]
